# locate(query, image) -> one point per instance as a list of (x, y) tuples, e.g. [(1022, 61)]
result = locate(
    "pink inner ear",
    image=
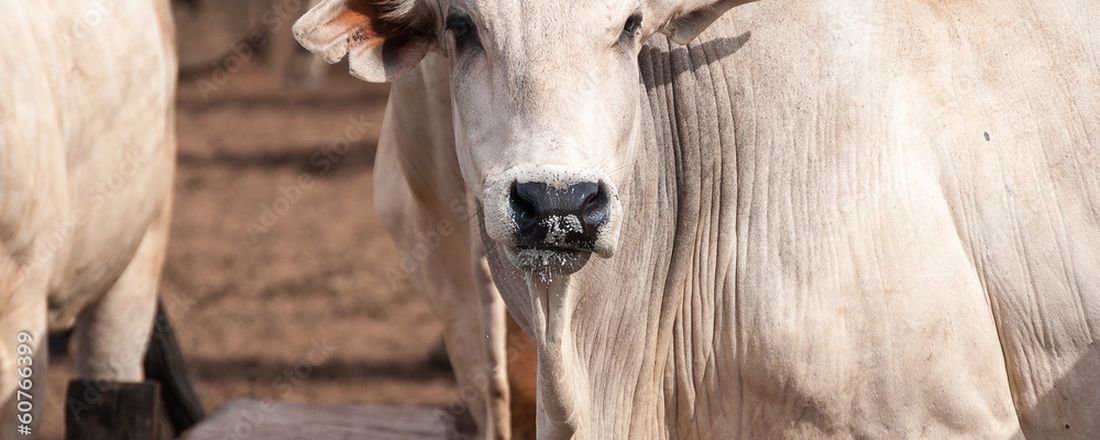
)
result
[(361, 30), (362, 25), (364, 36), (380, 60), (378, 50)]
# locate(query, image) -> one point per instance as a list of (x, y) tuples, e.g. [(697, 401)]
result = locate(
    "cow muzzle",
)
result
[(566, 218), (551, 220)]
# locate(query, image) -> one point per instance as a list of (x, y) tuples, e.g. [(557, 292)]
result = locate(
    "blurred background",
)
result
[(280, 280)]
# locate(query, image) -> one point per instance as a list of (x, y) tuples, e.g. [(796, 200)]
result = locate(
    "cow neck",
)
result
[(617, 359), (682, 198)]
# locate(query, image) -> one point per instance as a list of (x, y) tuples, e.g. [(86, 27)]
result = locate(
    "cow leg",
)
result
[(441, 263), (112, 334), (110, 339), (24, 313), (522, 370), (494, 318)]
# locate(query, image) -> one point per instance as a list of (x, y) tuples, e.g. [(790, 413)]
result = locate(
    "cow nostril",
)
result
[(592, 197), (597, 207), (524, 211)]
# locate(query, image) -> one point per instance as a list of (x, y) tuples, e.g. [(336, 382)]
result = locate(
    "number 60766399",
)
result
[(24, 364)]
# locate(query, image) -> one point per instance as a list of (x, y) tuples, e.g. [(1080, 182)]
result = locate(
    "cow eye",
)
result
[(462, 28), (631, 27)]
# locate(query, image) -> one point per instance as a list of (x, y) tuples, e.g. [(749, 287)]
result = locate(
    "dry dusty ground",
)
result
[(273, 281)]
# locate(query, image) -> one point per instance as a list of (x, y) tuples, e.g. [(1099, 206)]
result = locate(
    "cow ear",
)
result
[(694, 16), (382, 38)]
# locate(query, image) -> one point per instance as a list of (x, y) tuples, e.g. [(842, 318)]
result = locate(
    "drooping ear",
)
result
[(382, 38), (693, 16)]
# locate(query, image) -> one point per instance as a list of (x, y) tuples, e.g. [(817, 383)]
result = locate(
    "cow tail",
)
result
[(164, 364)]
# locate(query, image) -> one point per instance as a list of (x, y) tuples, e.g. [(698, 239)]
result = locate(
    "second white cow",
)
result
[(87, 155)]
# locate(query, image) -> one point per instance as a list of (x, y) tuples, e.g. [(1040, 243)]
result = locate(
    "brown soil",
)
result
[(277, 271)]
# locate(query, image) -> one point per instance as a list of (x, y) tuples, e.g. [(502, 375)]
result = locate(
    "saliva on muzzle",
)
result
[(563, 219), (557, 226)]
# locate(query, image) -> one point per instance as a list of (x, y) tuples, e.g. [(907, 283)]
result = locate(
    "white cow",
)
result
[(824, 218), (87, 154)]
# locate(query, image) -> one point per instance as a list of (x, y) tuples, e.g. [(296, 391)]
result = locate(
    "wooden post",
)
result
[(101, 410), (164, 365)]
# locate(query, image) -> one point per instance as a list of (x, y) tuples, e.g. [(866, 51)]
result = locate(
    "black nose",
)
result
[(565, 218)]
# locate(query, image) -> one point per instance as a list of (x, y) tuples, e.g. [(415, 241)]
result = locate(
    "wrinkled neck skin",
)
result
[(854, 221), (583, 324)]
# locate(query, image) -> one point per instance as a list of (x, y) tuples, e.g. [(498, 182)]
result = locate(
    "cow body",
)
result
[(826, 244), (87, 150), (839, 219), (848, 220)]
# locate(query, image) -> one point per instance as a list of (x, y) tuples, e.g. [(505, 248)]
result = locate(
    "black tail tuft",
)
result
[(164, 364)]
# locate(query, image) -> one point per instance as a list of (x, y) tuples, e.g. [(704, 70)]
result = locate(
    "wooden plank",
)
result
[(265, 420), (100, 410)]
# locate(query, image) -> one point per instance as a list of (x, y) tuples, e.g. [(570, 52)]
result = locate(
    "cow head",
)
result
[(546, 101)]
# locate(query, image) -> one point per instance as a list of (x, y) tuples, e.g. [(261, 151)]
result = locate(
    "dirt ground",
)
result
[(279, 271)]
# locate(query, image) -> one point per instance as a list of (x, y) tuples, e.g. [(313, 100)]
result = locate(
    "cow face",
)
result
[(545, 96)]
